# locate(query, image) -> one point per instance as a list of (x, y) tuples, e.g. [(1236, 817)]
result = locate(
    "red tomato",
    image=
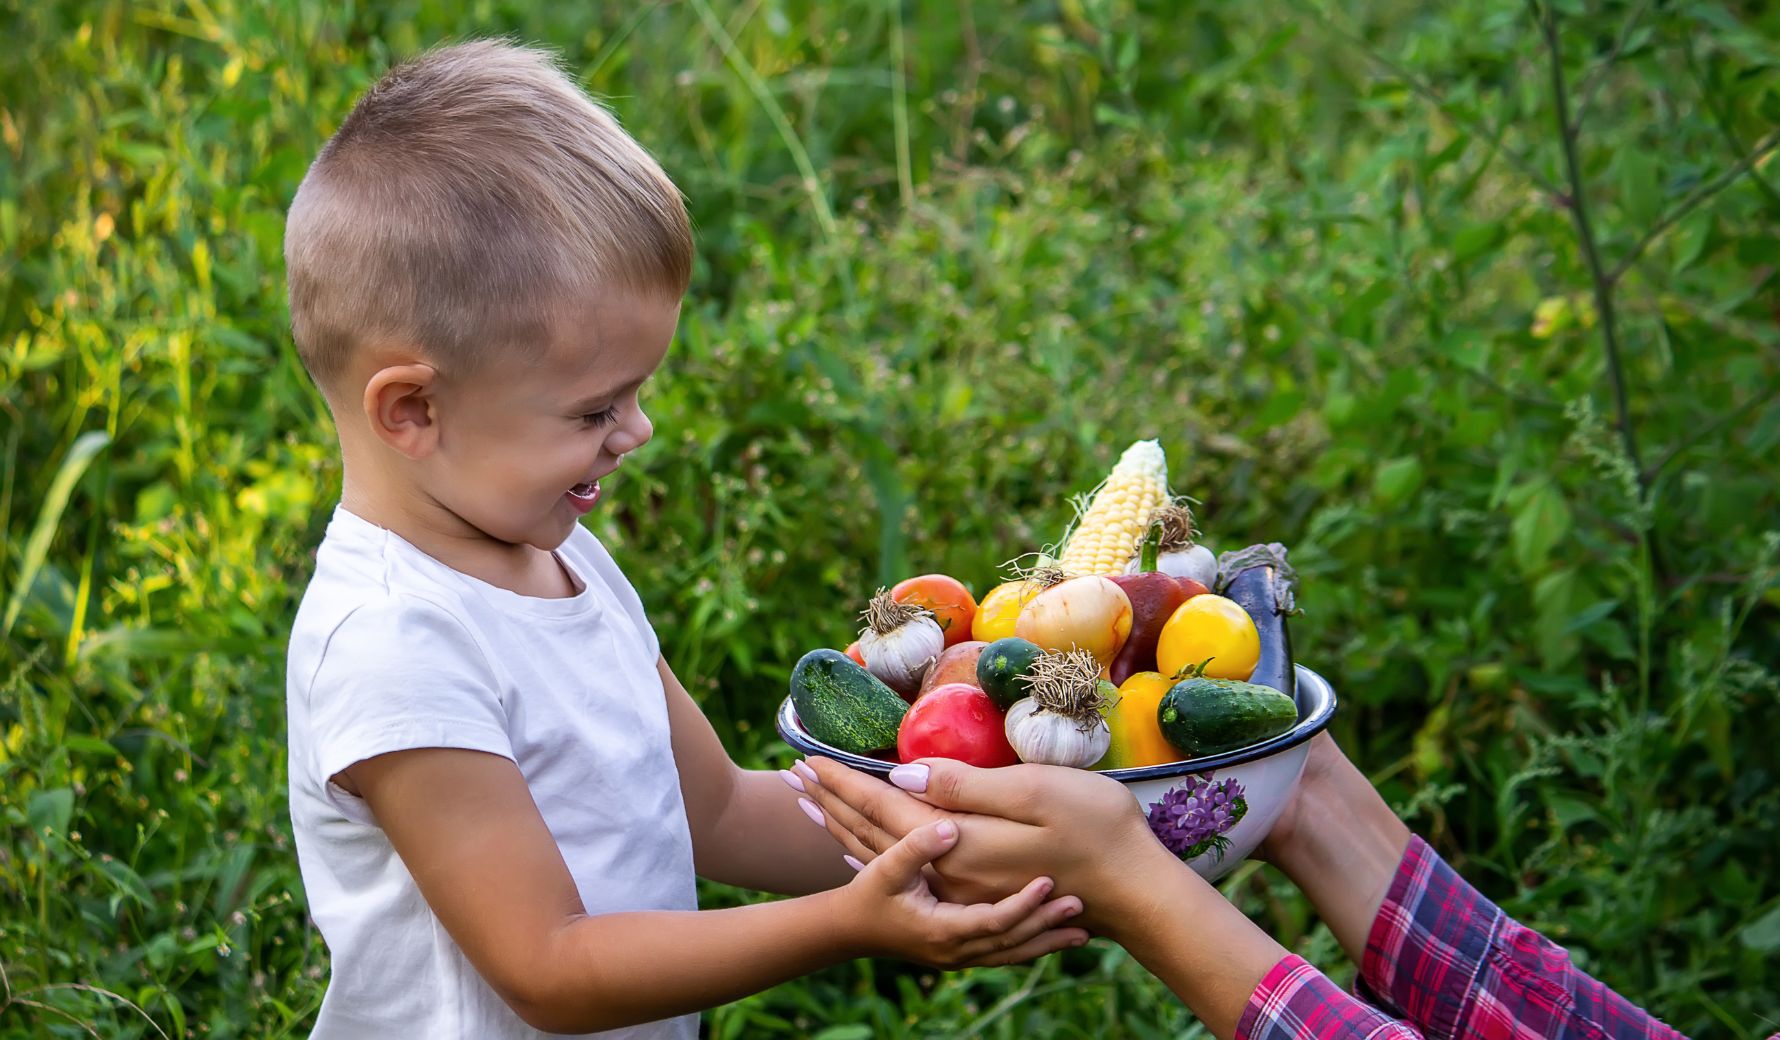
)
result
[(955, 721), (853, 652), (952, 604), (1192, 586)]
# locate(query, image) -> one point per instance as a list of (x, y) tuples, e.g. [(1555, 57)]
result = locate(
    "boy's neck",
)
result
[(435, 531)]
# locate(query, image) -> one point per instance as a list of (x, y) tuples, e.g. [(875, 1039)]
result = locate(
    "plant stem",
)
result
[(899, 106), (1578, 206), (1687, 205)]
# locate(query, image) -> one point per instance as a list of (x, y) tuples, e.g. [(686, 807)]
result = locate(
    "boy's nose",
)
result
[(631, 435)]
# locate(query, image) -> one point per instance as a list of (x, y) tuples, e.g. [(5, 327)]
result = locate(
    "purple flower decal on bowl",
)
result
[(1191, 819)]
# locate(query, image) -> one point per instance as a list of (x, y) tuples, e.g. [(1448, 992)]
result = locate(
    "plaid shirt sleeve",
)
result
[(1297, 1001), (1442, 956), (1444, 962)]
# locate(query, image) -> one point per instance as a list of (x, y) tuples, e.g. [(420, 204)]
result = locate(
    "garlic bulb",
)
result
[(1196, 562), (1061, 723), (899, 643), (1048, 738), (1170, 535)]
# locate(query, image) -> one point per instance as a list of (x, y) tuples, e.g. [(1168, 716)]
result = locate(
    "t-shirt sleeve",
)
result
[(397, 674), (606, 569)]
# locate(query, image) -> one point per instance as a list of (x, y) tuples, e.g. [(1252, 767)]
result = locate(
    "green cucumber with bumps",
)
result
[(1202, 716), (843, 705)]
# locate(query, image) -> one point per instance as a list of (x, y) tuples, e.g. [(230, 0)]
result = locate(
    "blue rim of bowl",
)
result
[(1316, 706)]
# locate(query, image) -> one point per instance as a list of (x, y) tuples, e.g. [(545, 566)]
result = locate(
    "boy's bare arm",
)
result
[(747, 828), (468, 831)]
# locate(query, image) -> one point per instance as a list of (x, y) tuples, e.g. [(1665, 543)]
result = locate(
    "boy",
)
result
[(499, 790)]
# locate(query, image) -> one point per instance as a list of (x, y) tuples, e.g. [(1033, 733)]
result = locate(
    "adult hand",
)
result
[(1084, 830), (1018, 822)]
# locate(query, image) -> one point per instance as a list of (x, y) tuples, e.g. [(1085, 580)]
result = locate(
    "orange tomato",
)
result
[(951, 603), (1000, 609), (854, 653), (1136, 736), (1209, 627)]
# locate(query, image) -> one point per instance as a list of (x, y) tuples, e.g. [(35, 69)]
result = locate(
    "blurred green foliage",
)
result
[(1351, 262)]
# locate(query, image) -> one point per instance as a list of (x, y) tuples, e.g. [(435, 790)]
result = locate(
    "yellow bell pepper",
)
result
[(1136, 738)]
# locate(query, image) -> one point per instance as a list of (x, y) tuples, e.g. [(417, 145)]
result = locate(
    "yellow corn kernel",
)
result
[(1109, 532)]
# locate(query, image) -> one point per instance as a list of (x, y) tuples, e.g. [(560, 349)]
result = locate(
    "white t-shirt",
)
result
[(393, 650)]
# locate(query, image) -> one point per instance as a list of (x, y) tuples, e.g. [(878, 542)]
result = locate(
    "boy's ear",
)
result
[(401, 404)]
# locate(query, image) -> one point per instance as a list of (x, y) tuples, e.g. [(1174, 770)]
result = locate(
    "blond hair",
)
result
[(467, 197)]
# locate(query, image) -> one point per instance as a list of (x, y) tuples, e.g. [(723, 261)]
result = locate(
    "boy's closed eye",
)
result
[(603, 417)]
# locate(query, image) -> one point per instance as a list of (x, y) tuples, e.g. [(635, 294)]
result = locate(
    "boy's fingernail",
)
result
[(1080, 940), (947, 830), (910, 777), (1045, 886), (851, 862), (791, 780), (1072, 910), (815, 814), (806, 772)]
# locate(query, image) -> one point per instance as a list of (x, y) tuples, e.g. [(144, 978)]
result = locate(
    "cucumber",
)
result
[(1203, 716), (1002, 664), (843, 705)]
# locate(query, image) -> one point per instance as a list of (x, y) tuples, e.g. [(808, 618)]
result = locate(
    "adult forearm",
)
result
[(1186, 934), (1345, 852), (615, 970)]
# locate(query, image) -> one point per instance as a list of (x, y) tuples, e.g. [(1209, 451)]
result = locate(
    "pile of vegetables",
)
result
[(1113, 653)]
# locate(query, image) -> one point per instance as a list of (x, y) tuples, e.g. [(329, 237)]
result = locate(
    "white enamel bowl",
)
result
[(1258, 779)]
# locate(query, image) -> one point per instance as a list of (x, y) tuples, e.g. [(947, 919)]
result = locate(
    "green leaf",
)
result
[(853, 1031), (1474, 240), (54, 502), (1396, 480), (88, 745), (1540, 523), (1592, 614), (1763, 934), (50, 810), (126, 882)]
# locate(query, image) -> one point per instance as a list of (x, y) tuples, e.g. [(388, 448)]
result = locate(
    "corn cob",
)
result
[(1109, 531)]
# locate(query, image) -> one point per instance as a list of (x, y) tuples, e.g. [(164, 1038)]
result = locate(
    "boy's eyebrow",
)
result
[(593, 402)]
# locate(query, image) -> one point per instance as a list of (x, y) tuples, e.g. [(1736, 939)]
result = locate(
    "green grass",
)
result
[(1330, 253)]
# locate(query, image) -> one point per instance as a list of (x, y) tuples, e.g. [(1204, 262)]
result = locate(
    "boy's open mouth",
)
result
[(583, 496)]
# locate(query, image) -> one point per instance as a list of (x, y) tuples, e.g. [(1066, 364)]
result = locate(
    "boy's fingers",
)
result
[(899, 867), (1051, 915), (984, 920), (1045, 942)]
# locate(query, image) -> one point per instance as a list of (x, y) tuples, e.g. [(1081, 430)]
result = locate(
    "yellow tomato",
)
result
[(1136, 737), (1000, 609), (1209, 627)]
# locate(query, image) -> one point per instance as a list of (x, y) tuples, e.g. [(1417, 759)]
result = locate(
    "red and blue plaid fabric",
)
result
[(1442, 961)]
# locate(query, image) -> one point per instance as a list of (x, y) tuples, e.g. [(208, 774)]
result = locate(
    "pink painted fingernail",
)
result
[(851, 862), (791, 780), (947, 829), (806, 772), (910, 777), (815, 814)]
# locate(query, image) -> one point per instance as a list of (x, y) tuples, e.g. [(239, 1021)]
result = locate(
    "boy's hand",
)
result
[(899, 916)]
